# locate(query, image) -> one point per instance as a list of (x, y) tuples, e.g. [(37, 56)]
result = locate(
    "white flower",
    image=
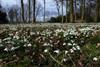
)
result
[(98, 44), (71, 50), (69, 44), (78, 47), (16, 33), (32, 33), (95, 58), (64, 59), (64, 44), (25, 40), (29, 45), (72, 41), (66, 52), (37, 32), (9, 38), (47, 44), (13, 48), (16, 37), (10, 34), (46, 50), (25, 45), (74, 44), (57, 51), (51, 41), (6, 49)]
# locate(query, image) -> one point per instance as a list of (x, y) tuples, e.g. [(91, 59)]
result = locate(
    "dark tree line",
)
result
[(3, 16)]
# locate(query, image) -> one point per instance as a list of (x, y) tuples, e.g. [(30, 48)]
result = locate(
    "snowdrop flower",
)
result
[(66, 52), (16, 33), (32, 33), (74, 44), (69, 44), (78, 47), (56, 51), (16, 37), (29, 45), (72, 41), (45, 44), (13, 48), (10, 34), (9, 38), (74, 48), (51, 41), (64, 44), (46, 50), (37, 32), (6, 49), (71, 50), (98, 45), (64, 59), (95, 58), (25, 40)]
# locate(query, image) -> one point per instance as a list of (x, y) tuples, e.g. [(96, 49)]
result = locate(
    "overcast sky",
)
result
[(14, 2), (50, 4)]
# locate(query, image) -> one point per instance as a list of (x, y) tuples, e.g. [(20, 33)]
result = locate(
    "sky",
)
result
[(50, 4), (14, 2)]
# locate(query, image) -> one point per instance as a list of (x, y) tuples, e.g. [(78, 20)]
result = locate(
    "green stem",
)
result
[(72, 60), (56, 60)]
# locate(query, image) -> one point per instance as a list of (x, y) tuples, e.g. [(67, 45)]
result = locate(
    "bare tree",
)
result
[(97, 10), (66, 10), (39, 9), (57, 6), (29, 4), (75, 8), (62, 10), (34, 11), (44, 9), (71, 11), (82, 9), (22, 10)]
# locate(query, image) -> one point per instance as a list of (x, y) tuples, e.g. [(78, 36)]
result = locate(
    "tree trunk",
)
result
[(75, 10), (82, 9), (71, 11), (62, 12), (22, 10), (29, 1), (97, 11), (44, 10), (66, 10), (34, 7), (57, 6)]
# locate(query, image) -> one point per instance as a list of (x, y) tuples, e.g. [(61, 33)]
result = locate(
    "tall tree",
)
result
[(82, 9), (29, 4), (22, 10), (97, 10), (71, 11), (57, 6), (66, 10), (44, 9), (34, 11), (75, 9), (62, 10)]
